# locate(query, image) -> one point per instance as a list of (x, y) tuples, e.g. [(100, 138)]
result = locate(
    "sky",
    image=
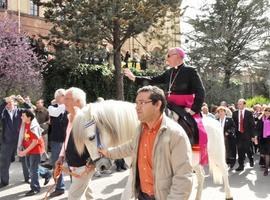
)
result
[(191, 11)]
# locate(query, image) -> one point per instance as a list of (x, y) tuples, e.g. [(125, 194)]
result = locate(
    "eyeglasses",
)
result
[(170, 55), (140, 103)]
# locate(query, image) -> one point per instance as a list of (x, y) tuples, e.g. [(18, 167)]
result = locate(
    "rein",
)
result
[(97, 135), (61, 169), (90, 164)]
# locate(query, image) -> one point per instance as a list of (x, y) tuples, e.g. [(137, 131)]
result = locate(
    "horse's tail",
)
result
[(78, 127), (216, 149)]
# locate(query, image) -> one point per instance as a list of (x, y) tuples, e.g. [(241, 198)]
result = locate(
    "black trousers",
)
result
[(230, 144), (244, 147), (7, 153), (144, 196)]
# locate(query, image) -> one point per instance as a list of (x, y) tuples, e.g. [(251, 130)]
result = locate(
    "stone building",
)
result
[(31, 21)]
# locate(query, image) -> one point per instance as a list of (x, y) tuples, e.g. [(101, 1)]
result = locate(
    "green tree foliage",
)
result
[(257, 100), (95, 80), (88, 23), (264, 69), (227, 37), (67, 69)]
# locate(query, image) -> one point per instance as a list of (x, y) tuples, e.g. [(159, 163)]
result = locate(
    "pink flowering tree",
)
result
[(20, 67)]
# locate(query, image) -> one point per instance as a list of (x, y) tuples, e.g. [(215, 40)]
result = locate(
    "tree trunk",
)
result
[(117, 61), (227, 77)]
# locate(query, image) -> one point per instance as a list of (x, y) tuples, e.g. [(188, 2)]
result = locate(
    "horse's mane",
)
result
[(115, 119)]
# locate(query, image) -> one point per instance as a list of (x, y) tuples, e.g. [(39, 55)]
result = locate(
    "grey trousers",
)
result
[(79, 188)]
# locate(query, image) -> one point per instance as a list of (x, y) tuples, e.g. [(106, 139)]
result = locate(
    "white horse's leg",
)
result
[(227, 188), (216, 155), (200, 178), (127, 194)]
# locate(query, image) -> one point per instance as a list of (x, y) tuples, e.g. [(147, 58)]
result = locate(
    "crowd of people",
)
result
[(37, 135), (246, 132), (26, 128)]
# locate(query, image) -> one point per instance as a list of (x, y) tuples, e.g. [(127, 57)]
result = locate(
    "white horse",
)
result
[(117, 123)]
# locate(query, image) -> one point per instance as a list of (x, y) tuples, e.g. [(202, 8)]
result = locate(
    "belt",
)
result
[(145, 196)]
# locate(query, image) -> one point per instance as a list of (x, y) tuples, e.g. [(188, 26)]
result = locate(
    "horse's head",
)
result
[(104, 124), (86, 135)]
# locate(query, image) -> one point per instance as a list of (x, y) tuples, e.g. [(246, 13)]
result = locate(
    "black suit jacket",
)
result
[(249, 124), (229, 127), (187, 81), (11, 127)]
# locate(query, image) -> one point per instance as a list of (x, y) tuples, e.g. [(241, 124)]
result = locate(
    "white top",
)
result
[(222, 123), (56, 111), (11, 114)]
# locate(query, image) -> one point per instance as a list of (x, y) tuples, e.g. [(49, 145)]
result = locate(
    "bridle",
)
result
[(91, 138), (90, 163)]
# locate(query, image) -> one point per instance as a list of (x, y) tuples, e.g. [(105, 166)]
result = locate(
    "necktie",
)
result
[(241, 128)]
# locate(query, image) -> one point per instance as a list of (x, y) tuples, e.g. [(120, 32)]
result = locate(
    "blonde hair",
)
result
[(221, 108), (59, 92)]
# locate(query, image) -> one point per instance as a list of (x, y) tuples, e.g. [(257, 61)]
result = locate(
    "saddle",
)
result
[(187, 122)]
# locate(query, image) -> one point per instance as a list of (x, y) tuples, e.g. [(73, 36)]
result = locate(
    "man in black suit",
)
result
[(245, 127)]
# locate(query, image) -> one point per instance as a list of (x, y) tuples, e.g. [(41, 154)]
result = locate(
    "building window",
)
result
[(34, 9), (3, 4)]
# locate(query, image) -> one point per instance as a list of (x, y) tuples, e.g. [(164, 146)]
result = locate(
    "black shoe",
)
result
[(27, 181), (3, 185), (240, 168), (251, 163), (232, 165), (123, 168), (57, 193), (47, 179), (31, 193)]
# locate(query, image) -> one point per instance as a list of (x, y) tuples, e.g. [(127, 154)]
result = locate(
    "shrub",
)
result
[(257, 100)]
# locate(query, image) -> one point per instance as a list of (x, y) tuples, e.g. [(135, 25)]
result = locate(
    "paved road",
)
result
[(248, 185)]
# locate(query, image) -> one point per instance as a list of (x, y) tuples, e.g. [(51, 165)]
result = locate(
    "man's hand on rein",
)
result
[(103, 152), (89, 168), (60, 160)]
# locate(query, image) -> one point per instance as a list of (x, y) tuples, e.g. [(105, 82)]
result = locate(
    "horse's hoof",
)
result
[(229, 198)]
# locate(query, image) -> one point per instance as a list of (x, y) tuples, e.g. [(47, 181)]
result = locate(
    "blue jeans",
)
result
[(32, 162), (55, 150), (25, 168), (43, 172)]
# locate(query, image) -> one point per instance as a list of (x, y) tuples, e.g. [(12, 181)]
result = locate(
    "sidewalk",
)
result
[(249, 185)]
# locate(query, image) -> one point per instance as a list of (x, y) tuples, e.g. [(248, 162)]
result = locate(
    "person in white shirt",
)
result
[(58, 122), (228, 127)]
